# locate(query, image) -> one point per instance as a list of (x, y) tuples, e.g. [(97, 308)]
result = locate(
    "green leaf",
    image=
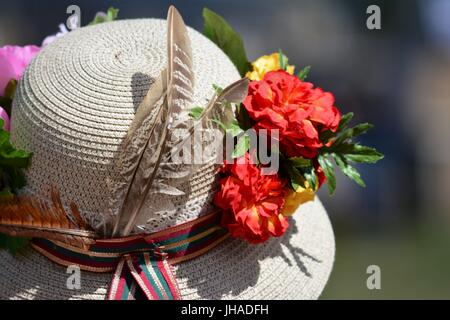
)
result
[(16, 179), (9, 156), (196, 112), (359, 129), (282, 60), (358, 153), (220, 124), (326, 136), (224, 36), (242, 146), (12, 179), (343, 150), (12, 244), (10, 89), (234, 129), (6, 100), (6, 194), (300, 162), (6, 104), (294, 184), (295, 178), (11, 162), (353, 132), (245, 122), (350, 151), (218, 89), (102, 17), (14, 158), (303, 74), (311, 176), (346, 118), (112, 14), (363, 154), (348, 170), (300, 173), (328, 169)]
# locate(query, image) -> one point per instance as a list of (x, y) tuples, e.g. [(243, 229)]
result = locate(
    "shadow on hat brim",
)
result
[(294, 266)]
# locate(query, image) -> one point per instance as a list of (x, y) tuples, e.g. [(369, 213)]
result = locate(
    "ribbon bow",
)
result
[(142, 264), (139, 276)]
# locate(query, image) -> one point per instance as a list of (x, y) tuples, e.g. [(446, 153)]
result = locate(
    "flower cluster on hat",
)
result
[(251, 201), (312, 136), (298, 110)]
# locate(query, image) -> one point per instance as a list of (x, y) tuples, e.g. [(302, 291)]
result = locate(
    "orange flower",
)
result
[(298, 110), (251, 202)]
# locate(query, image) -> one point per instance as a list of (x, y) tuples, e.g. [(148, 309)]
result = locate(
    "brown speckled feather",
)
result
[(27, 216), (147, 172), (217, 110)]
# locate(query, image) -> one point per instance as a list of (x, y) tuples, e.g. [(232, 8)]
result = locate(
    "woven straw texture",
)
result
[(72, 109), (77, 99), (295, 266)]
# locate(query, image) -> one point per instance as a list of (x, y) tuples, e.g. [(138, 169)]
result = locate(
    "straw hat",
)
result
[(73, 108)]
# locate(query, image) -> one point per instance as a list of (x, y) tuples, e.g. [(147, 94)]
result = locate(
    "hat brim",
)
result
[(294, 266)]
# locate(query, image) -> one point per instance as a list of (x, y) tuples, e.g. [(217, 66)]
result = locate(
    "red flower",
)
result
[(251, 202), (300, 112)]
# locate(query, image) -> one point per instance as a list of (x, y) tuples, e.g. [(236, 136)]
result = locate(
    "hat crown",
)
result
[(77, 99)]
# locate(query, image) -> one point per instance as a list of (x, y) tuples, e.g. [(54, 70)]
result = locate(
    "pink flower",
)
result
[(5, 118), (13, 61)]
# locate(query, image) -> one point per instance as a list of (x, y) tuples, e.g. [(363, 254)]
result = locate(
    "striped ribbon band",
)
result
[(141, 263)]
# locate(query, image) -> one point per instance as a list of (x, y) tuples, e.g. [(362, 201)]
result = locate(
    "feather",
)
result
[(217, 108), (180, 70), (170, 175), (146, 174), (141, 143), (217, 111), (27, 216)]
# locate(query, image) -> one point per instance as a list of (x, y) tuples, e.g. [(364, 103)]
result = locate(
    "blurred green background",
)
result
[(414, 263), (397, 78)]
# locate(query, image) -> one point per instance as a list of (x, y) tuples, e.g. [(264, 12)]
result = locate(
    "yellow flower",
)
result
[(265, 64), (295, 198)]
